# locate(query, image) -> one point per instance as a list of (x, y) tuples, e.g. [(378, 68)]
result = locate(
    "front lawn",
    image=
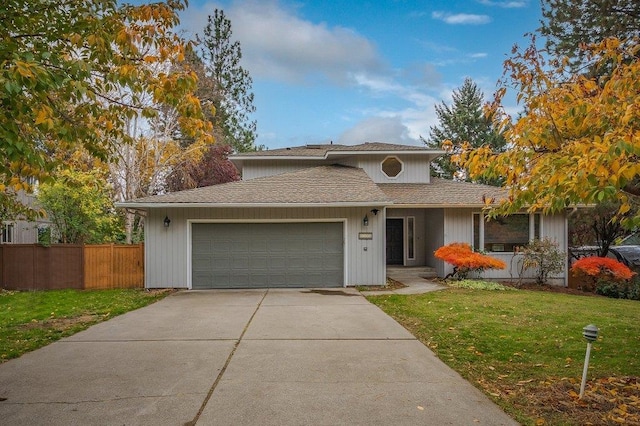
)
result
[(32, 319), (526, 351)]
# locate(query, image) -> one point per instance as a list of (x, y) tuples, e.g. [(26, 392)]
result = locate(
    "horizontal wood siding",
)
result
[(167, 249)]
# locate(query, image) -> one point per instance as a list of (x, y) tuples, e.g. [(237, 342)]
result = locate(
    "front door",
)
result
[(395, 241)]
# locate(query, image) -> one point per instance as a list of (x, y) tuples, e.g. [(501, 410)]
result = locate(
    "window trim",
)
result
[(7, 233), (399, 161), (482, 219), (411, 237)]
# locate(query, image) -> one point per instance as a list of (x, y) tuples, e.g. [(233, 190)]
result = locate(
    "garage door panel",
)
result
[(241, 255)]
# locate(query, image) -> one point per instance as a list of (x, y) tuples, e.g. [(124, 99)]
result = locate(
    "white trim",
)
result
[(406, 224), (334, 153), (436, 206), (345, 240), (482, 217), (385, 173), (175, 204)]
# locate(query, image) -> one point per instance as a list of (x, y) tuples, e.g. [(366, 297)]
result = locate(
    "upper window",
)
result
[(392, 167), (505, 234), (7, 233)]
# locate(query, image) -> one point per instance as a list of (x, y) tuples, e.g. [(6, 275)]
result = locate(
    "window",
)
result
[(504, 234), (7, 233), (391, 167), (410, 238)]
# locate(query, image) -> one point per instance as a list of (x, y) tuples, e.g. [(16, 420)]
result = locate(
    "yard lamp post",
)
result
[(590, 333)]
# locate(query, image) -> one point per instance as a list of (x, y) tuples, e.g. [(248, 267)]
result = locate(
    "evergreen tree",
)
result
[(570, 24), (225, 84), (463, 121)]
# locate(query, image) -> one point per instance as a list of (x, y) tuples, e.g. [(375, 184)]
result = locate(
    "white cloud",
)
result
[(277, 44), (478, 55), (505, 4), (461, 18), (377, 129)]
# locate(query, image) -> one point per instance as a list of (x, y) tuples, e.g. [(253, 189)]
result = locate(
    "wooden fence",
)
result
[(32, 266)]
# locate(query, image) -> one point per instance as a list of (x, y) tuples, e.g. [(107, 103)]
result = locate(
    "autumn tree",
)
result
[(597, 225), (463, 121), (72, 75), (569, 26), (225, 84), (80, 208), (578, 141), (212, 168)]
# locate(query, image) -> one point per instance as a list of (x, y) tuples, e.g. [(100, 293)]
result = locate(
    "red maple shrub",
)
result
[(602, 267), (465, 260), (605, 276)]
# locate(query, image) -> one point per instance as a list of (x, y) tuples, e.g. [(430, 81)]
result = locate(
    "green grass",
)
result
[(32, 319), (506, 340)]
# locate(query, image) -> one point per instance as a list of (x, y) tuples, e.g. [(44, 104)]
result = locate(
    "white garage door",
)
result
[(258, 255)]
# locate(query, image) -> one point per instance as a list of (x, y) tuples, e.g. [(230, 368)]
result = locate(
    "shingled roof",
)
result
[(442, 193), (322, 151), (324, 185)]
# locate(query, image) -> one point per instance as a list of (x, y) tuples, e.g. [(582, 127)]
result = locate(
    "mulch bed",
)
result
[(391, 285)]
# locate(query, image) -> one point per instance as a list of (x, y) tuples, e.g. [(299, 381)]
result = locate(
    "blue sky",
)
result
[(357, 71)]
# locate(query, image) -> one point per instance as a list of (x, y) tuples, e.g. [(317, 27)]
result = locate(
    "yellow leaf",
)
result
[(42, 116)]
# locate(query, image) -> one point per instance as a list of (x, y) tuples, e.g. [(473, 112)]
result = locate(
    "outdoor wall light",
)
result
[(365, 221), (375, 212), (167, 221)]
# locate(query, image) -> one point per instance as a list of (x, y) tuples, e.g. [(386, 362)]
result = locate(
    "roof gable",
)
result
[(327, 150), (443, 193), (323, 185)]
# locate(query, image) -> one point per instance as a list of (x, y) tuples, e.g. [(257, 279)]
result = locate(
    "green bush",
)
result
[(619, 289)]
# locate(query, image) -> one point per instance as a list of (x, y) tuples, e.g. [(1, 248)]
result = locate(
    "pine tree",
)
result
[(569, 25), (463, 121), (227, 83)]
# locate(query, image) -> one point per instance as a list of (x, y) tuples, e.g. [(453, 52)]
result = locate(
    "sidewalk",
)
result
[(412, 278)]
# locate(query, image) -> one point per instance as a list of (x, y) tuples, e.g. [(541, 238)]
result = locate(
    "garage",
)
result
[(262, 255)]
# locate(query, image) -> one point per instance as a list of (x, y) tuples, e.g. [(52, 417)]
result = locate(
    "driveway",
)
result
[(254, 357)]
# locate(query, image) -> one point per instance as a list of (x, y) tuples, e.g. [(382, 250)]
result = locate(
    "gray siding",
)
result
[(421, 236), (415, 168), (25, 232), (434, 238), (167, 250), (458, 227)]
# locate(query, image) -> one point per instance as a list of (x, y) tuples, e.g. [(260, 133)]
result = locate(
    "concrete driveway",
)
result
[(263, 357)]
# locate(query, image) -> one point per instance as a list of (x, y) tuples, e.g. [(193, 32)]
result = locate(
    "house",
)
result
[(20, 231), (326, 216)]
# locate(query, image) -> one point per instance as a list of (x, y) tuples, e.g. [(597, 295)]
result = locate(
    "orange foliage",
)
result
[(600, 267), (465, 260)]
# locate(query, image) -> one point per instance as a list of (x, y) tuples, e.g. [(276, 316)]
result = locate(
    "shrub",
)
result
[(465, 260), (607, 277), (544, 256), (480, 285)]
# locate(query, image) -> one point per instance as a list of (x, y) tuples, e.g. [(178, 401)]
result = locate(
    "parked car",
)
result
[(627, 252)]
